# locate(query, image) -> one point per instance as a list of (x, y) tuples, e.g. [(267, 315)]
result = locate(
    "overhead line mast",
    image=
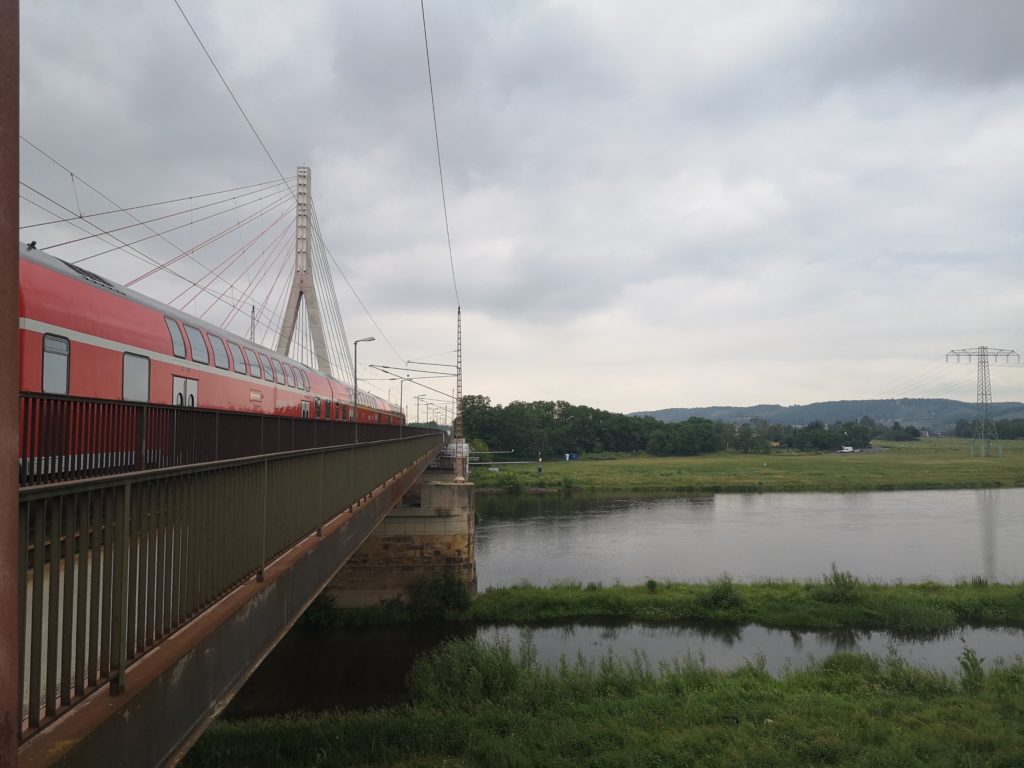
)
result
[(303, 287), (984, 427)]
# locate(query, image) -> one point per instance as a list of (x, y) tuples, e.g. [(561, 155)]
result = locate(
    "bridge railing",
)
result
[(67, 438), (109, 567)]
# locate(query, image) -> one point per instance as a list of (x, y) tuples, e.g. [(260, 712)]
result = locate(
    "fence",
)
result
[(110, 566), (66, 438)]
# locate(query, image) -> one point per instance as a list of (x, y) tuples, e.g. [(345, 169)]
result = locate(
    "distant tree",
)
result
[(748, 440), (964, 428)]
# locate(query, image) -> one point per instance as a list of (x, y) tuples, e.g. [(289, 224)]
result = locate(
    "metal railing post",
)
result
[(321, 513), (263, 528), (119, 633)]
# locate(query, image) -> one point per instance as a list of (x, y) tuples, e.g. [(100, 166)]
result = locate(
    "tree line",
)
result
[(546, 428), (1007, 429)]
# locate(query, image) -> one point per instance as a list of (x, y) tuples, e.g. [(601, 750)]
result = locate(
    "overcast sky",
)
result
[(652, 204)]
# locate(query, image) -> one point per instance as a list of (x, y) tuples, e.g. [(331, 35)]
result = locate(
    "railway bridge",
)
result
[(151, 583)]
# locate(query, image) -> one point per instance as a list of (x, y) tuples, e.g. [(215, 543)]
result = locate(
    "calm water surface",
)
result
[(909, 535), (886, 536), (316, 669), (727, 646)]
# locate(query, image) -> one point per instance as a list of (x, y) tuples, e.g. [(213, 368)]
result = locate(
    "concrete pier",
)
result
[(430, 532)]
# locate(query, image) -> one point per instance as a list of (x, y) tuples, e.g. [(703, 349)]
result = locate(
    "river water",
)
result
[(910, 535), (885, 536)]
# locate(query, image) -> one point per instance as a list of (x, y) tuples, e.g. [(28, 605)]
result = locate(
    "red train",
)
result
[(84, 336)]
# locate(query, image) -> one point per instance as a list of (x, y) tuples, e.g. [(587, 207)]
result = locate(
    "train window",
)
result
[(305, 380), (298, 379), (277, 370), (236, 357), (135, 379), (177, 340), (56, 358), (305, 409), (288, 375), (268, 372), (220, 353), (254, 363), (199, 351), (337, 410)]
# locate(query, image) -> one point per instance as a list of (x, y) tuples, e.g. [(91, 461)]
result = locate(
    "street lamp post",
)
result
[(401, 403), (355, 381)]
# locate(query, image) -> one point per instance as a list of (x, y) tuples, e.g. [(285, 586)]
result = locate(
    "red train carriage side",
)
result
[(84, 336)]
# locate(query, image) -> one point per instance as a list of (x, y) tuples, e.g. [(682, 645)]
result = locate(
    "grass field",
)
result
[(837, 600), (931, 463), (481, 705)]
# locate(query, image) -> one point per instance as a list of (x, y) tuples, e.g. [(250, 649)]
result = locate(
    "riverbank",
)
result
[(476, 704), (839, 600), (927, 464)]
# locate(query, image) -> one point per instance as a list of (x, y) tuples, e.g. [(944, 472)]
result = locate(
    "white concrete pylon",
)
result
[(303, 289)]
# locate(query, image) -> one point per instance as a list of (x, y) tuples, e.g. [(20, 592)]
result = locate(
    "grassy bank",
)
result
[(480, 705), (935, 463), (837, 600)]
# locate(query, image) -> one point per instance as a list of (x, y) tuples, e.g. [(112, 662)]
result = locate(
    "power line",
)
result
[(437, 144), (232, 93)]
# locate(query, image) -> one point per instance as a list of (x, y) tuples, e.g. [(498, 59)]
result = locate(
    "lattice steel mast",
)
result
[(461, 451), (303, 288), (984, 426)]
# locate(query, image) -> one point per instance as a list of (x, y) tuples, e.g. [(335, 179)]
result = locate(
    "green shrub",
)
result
[(720, 594), (435, 596), (510, 481), (972, 674), (838, 587)]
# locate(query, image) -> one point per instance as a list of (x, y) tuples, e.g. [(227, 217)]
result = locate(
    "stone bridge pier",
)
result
[(431, 531)]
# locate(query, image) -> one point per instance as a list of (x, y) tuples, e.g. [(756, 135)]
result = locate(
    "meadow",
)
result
[(927, 464), (838, 600)]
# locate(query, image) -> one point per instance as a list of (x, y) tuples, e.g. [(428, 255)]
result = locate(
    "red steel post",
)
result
[(9, 116)]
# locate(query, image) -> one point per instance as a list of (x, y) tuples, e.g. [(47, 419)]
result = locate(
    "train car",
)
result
[(84, 336)]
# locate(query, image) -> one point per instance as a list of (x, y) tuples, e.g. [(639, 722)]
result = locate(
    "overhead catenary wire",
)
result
[(437, 145), (230, 92), (131, 250), (235, 206)]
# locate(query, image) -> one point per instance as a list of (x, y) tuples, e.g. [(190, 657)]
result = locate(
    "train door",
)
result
[(185, 392)]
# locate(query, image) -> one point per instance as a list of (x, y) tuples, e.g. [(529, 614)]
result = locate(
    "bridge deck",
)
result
[(147, 598)]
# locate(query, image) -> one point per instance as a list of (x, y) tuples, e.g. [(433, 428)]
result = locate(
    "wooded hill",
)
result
[(933, 414)]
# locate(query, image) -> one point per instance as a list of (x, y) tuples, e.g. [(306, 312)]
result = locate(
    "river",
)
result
[(908, 535), (881, 536)]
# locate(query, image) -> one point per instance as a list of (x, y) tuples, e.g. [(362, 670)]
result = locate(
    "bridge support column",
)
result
[(429, 533)]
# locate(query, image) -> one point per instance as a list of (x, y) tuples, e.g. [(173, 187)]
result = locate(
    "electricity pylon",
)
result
[(984, 427)]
